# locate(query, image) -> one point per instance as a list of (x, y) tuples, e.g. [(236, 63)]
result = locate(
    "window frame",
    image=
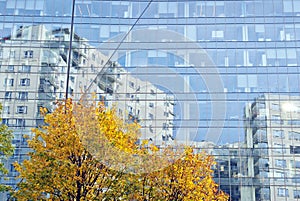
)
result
[(24, 82), (28, 54), (21, 109), (23, 96)]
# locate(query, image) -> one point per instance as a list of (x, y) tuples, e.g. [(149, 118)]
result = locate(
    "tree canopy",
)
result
[(86, 152)]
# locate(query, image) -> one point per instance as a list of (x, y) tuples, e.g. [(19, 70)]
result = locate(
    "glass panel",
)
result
[(223, 75)]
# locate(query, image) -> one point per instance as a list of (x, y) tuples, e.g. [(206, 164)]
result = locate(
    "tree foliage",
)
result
[(188, 178), (85, 152), (6, 148)]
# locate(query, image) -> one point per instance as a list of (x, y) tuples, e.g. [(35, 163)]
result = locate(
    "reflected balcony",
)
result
[(49, 61), (48, 80), (259, 122), (257, 109), (110, 75), (262, 164), (260, 150), (260, 136), (106, 87)]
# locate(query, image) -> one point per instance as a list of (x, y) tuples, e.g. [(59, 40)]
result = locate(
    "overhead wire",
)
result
[(117, 48)]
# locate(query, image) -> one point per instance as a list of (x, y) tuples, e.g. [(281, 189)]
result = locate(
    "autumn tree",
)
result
[(86, 152), (6, 148), (60, 166), (188, 178)]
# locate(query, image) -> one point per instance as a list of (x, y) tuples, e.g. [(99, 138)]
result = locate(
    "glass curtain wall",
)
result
[(215, 72)]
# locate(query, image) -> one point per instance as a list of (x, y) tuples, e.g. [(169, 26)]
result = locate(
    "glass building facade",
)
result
[(219, 72)]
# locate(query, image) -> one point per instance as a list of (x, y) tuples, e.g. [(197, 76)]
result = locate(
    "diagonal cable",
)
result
[(118, 46)]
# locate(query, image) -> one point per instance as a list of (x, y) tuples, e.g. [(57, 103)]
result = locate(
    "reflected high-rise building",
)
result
[(34, 64), (199, 62), (273, 133)]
